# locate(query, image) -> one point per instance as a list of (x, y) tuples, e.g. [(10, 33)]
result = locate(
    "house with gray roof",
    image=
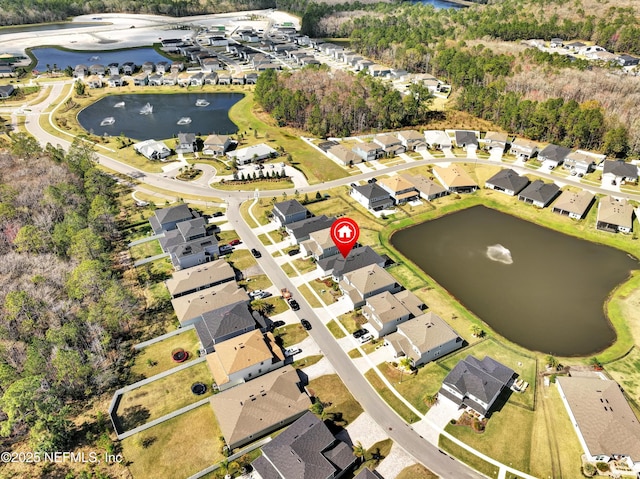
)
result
[(191, 280), (553, 155), (614, 215), (190, 307), (222, 324), (367, 473), (386, 311), (582, 162), (359, 257), (252, 153), (152, 149), (507, 181), (186, 143), (361, 284), (618, 172), (299, 231), (423, 339), (371, 196), (466, 139), (167, 219), (476, 383), (602, 418), (437, 139), (190, 244), (539, 193), (306, 449), (6, 91), (258, 407), (289, 211), (573, 204)]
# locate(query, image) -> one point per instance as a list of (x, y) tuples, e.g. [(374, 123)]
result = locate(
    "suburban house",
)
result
[(604, 422), (152, 149), (552, 155), (614, 215), (385, 311), (6, 91), (429, 190), (254, 409), (523, 149), (243, 358), (368, 151), (367, 473), (93, 81), (253, 153), (423, 339), (155, 79), (190, 280), (343, 155), (400, 189), (455, 179), (573, 204), (289, 211), (412, 140), (186, 143), (476, 383), (306, 449), (556, 43), (359, 257), (575, 46), (627, 60), (97, 69), (582, 162), (390, 144), (300, 230), (191, 306), (141, 79), (167, 219), (80, 71), (617, 172), (539, 193), (216, 145), (222, 324), (466, 139), (187, 253), (320, 245), (437, 139), (115, 81), (371, 196), (360, 284), (496, 140), (507, 181)]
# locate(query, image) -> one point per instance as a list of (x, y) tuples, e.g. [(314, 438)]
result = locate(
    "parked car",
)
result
[(305, 324), (360, 332), (294, 304), (291, 351), (234, 242), (277, 324), (262, 295), (256, 293), (293, 252), (365, 338), (225, 248), (218, 214), (256, 253)]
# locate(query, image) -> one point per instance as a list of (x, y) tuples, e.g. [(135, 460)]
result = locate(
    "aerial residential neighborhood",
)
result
[(320, 242)]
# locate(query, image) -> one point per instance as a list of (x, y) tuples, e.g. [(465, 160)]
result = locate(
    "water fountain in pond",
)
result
[(185, 120), (108, 121), (120, 104), (499, 253), (147, 109)]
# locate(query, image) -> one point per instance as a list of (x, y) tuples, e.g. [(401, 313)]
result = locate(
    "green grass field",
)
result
[(291, 334), (156, 358), (343, 408), (396, 404), (415, 387)]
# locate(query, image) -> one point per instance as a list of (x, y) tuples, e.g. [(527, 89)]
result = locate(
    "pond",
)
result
[(162, 123), (65, 58), (537, 287), (440, 3)]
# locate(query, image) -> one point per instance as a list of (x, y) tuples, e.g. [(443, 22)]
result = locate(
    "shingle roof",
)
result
[(289, 207), (218, 271), (508, 180), (195, 304), (425, 185), (356, 259), (386, 308), (372, 190), (396, 183), (370, 278), (173, 213), (427, 332), (466, 137), (615, 212), (191, 227), (554, 153), (303, 228), (620, 168), (576, 203), (540, 191), (225, 321), (494, 136), (454, 176)]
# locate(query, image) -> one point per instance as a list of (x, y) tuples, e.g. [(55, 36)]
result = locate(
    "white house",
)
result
[(253, 153)]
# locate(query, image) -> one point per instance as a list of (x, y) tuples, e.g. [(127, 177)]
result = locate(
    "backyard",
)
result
[(156, 358)]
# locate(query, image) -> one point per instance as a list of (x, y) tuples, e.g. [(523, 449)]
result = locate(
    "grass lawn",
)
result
[(225, 236), (241, 259), (624, 310), (329, 389), (415, 387), (179, 447), (309, 296), (265, 239), (391, 399), (279, 305), (355, 353), (145, 250), (374, 456), (259, 281), (417, 471), (308, 361), (325, 290), (626, 372), (288, 270), (244, 211), (304, 265), (406, 277), (468, 457), (156, 358), (291, 334), (352, 321), (163, 396), (253, 185), (335, 329)]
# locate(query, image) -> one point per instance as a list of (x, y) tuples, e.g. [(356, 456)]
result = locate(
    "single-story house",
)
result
[(152, 149), (186, 143), (216, 145), (190, 307), (390, 144), (6, 91), (602, 418), (574, 204), (614, 215), (575, 46), (240, 411), (477, 383), (539, 193), (423, 339), (299, 231), (253, 153), (368, 151), (627, 60), (7, 71), (466, 139), (428, 189), (306, 449), (167, 219), (507, 181), (494, 139), (437, 139), (617, 172), (400, 189), (191, 280), (230, 320), (360, 284), (371, 196), (553, 155), (455, 179), (289, 211), (556, 43), (386, 311), (412, 140), (343, 156), (523, 149)]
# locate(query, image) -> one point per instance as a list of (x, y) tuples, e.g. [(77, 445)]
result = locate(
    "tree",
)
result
[(318, 195), (24, 145), (263, 307), (30, 240), (552, 362), (477, 331), (88, 280), (616, 142), (79, 88), (431, 399), (87, 245), (406, 363), (359, 451)]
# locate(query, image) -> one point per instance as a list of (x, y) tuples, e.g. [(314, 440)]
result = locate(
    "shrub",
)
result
[(588, 470), (602, 466)]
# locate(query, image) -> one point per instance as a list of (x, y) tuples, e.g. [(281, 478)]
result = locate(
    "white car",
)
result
[(292, 351), (366, 338)]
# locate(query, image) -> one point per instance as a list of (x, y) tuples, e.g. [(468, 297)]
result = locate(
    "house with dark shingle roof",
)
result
[(466, 139), (617, 172), (359, 257), (190, 307), (186, 143), (306, 449), (507, 181), (367, 473), (289, 211), (190, 244), (539, 193), (476, 383), (225, 323), (167, 219), (573, 204), (300, 231), (553, 155), (371, 196), (6, 91)]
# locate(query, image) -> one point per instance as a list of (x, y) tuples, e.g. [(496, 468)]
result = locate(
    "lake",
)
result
[(167, 111), (63, 58), (440, 3), (539, 288)]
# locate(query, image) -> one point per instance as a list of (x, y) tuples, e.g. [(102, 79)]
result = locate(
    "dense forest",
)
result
[(64, 312), (338, 103)]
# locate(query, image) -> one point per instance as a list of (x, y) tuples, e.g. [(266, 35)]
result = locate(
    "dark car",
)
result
[(293, 252), (256, 253), (277, 324), (234, 242), (305, 324), (218, 214), (359, 333), (294, 304)]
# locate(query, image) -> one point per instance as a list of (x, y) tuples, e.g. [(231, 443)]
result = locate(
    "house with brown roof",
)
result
[(243, 358), (412, 140), (190, 280), (391, 145), (216, 145), (614, 215), (494, 139), (602, 418), (428, 189), (400, 189), (190, 307), (455, 179), (573, 204), (368, 151), (319, 245), (523, 149), (386, 311), (256, 408), (359, 285), (343, 155), (582, 162), (423, 339)]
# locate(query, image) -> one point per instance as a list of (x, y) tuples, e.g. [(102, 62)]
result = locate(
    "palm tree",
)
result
[(263, 307), (406, 363), (552, 361), (359, 451), (431, 399), (477, 331), (226, 467)]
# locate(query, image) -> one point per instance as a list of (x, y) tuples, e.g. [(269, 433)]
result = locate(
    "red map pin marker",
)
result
[(344, 233)]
